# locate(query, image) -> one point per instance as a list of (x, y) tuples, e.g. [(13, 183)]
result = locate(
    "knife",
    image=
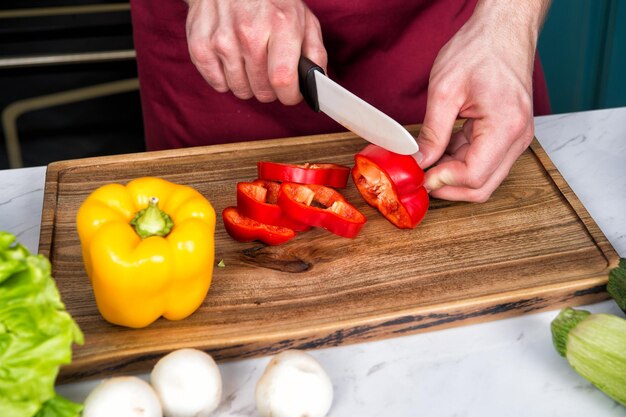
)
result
[(323, 94)]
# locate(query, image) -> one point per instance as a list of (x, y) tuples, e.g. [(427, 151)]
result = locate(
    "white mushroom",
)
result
[(188, 382), (126, 396), (294, 384)]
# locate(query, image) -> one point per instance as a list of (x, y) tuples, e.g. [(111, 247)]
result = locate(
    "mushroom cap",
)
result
[(188, 382), (126, 396), (294, 384)]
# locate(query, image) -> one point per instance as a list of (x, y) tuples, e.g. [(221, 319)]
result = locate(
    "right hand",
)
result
[(483, 74), (252, 47)]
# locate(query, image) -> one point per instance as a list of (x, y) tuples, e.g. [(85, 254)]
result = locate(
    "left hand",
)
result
[(483, 74)]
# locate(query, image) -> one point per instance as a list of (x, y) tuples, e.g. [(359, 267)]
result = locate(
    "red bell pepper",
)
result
[(245, 229), (258, 201), (331, 175), (393, 184), (320, 206)]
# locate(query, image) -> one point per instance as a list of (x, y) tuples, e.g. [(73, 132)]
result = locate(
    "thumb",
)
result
[(436, 131)]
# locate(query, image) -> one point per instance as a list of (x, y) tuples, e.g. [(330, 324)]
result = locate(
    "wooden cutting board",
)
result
[(531, 247)]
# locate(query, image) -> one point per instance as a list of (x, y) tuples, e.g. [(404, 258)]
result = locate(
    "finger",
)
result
[(458, 139), (448, 158), (313, 44), (209, 66), (488, 149), (259, 83), (434, 136), (235, 74), (200, 50), (458, 155), (226, 47), (482, 194), (284, 48), (253, 45), (257, 73)]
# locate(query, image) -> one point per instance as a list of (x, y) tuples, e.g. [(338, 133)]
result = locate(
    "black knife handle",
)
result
[(306, 79)]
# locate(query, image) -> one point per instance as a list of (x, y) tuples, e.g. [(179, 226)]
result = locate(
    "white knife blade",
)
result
[(352, 112)]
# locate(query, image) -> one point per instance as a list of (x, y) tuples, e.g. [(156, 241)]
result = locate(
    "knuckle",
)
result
[(443, 91), (208, 65), (481, 196), (428, 135), (200, 52), (518, 122), (215, 80), (243, 94), (249, 38), (320, 56), (223, 43), (291, 100), (527, 138), (283, 77), (265, 96), (311, 19), (476, 180), (241, 90), (312, 24), (218, 86), (287, 15), (520, 117)]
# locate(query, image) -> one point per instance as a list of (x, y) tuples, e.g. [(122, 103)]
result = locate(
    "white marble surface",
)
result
[(589, 149), (502, 368)]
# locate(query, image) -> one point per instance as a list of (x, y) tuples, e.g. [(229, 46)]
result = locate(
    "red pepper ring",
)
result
[(244, 229), (393, 184), (258, 201), (330, 175), (320, 206)]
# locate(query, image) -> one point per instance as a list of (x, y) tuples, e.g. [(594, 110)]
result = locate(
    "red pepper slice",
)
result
[(393, 184), (330, 175), (320, 206), (244, 229), (258, 201)]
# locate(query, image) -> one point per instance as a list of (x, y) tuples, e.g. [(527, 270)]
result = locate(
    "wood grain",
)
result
[(531, 247)]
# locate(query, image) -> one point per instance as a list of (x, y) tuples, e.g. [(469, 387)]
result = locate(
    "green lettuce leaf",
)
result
[(36, 334), (58, 406)]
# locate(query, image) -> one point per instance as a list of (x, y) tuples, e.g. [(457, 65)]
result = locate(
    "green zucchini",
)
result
[(616, 286), (595, 346)]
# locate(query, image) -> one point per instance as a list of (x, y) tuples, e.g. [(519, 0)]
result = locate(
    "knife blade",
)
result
[(355, 114)]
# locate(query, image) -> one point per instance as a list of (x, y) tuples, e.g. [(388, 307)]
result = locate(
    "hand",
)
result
[(252, 47), (483, 74)]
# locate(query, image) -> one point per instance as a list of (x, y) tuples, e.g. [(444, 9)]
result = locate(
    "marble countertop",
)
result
[(502, 368)]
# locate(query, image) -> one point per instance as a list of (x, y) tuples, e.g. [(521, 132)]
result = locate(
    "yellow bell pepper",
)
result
[(148, 249)]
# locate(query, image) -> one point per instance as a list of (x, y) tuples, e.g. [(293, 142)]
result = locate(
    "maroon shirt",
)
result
[(382, 51)]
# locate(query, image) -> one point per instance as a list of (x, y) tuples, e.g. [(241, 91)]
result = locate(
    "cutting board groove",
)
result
[(531, 247)]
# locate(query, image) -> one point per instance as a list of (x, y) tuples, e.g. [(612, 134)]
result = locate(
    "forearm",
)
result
[(530, 13), (517, 17)]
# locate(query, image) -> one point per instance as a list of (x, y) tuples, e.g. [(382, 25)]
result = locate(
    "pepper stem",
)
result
[(152, 221), (567, 319)]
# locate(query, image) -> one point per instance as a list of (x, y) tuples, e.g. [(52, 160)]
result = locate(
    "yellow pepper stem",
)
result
[(152, 221)]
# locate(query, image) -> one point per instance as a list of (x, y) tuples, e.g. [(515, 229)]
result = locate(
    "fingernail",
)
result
[(419, 157), (432, 182)]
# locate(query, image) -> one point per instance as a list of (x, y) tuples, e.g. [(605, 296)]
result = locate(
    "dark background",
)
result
[(582, 46), (101, 126)]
